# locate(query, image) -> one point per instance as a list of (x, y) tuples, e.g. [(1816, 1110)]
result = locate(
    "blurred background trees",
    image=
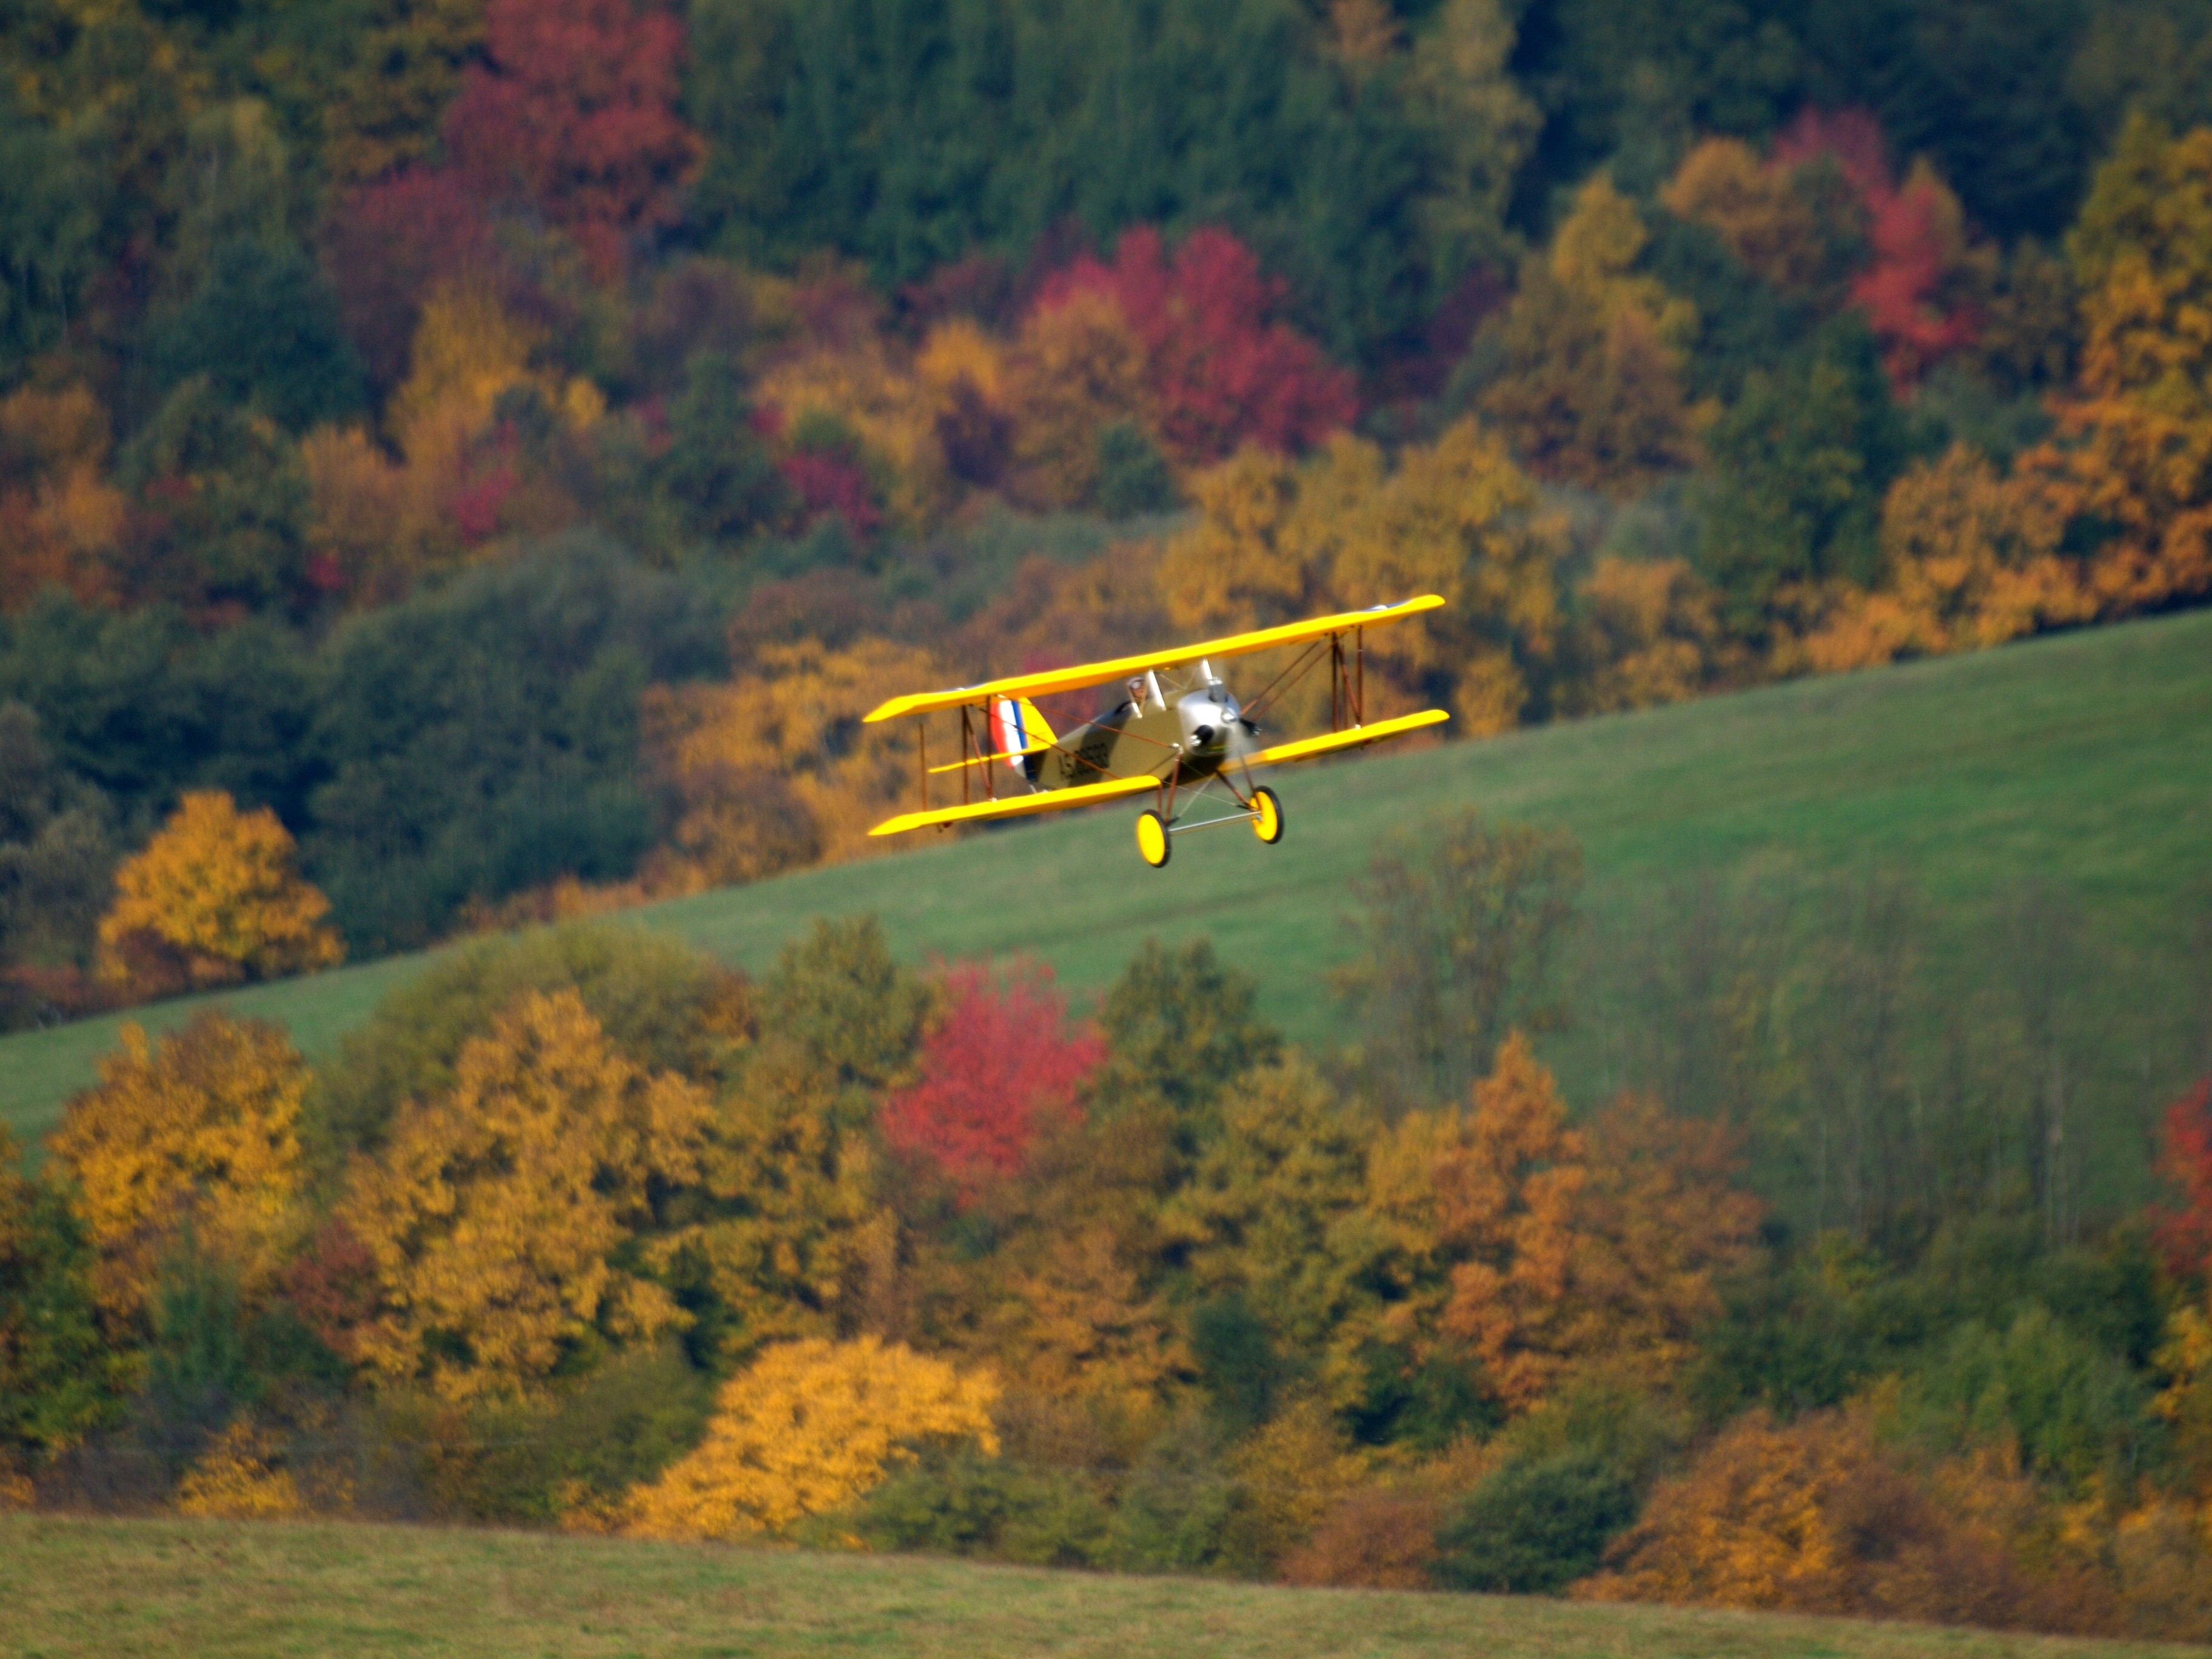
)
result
[(464, 464), (1678, 352)]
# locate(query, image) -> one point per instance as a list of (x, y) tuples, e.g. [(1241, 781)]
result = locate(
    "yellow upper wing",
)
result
[(1097, 673)]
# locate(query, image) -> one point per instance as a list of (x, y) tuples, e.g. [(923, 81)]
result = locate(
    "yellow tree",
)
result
[(1263, 550), (1818, 1516), (962, 374), (2186, 1402), (1646, 631), (774, 768), (493, 1211), (785, 1234), (1753, 1523), (1275, 1210), (1070, 1313), (1767, 222), (59, 513), (873, 394), (1277, 540), (2136, 449), (1459, 519), (201, 1134), (810, 1426), (237, 1479), (213, 897), (1075, 366), (1591, 389), (467, 348), (1971, 559)]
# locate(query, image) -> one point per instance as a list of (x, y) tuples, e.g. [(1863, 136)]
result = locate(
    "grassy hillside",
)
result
[(2086, 757), (121, 1587)]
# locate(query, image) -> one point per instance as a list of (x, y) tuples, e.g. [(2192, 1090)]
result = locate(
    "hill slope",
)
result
[(120, 1588), (2086, 757)]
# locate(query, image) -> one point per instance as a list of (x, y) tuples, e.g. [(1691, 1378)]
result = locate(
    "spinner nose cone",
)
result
[(1205, 720)]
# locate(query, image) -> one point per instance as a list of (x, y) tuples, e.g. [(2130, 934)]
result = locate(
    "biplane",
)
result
[(1177, 733)]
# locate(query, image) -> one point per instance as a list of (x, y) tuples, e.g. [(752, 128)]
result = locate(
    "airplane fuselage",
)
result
[(1149, 733)]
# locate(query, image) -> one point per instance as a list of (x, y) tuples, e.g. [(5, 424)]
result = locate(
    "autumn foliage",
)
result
[(2185, 1230), (493, 1215), (235, 1479), (574, 109), (1916, 287), (1972, 560), (198, 1135), (999, 1069), (2138, 458), (753, 782), (1278, 538), (1569, 1248), (1591, 392), (213, 897), (810, 1426), (520, 441), (1817, 1516), (1221, 371)]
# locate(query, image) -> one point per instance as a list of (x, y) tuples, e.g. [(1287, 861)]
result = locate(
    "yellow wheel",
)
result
[(1153, 843), (1266, 815)]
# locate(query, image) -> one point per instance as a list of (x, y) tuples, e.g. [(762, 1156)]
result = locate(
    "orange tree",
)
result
[(2135, 459), (213, 897), (1971, 558)]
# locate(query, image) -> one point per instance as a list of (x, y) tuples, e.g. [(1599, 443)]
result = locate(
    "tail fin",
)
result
[(1017, 730)]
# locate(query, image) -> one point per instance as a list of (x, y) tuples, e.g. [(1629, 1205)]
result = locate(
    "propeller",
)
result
[(1240, 734)]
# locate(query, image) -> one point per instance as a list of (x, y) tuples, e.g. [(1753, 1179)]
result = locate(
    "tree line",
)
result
[(581, 1229), (348, 357)]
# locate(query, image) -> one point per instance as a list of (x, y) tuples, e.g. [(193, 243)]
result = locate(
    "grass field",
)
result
[(2086, 757), (243, 1590)]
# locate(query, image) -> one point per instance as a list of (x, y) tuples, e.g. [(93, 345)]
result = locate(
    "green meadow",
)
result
[(2084, 759), (243, 1589)]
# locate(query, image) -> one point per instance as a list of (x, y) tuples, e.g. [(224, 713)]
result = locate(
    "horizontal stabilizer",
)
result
[(1016, 806), (1308, 748)]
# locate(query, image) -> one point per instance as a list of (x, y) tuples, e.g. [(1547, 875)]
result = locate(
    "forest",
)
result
[(469, 464)]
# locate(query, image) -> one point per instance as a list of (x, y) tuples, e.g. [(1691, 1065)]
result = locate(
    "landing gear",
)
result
[(1266, 815), (1153, 844)]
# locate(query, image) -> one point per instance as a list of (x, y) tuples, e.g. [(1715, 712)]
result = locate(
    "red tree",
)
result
[(1221, 370), (2185, 1159), (332, 1287), (1851, 139), (1000, 1068), (386, 244), (1917, 241), (574, 111), (827, 483)]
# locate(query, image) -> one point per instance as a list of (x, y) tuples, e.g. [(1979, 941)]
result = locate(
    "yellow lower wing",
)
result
[(1090, 794), (1308, 748), (1049, 800)]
